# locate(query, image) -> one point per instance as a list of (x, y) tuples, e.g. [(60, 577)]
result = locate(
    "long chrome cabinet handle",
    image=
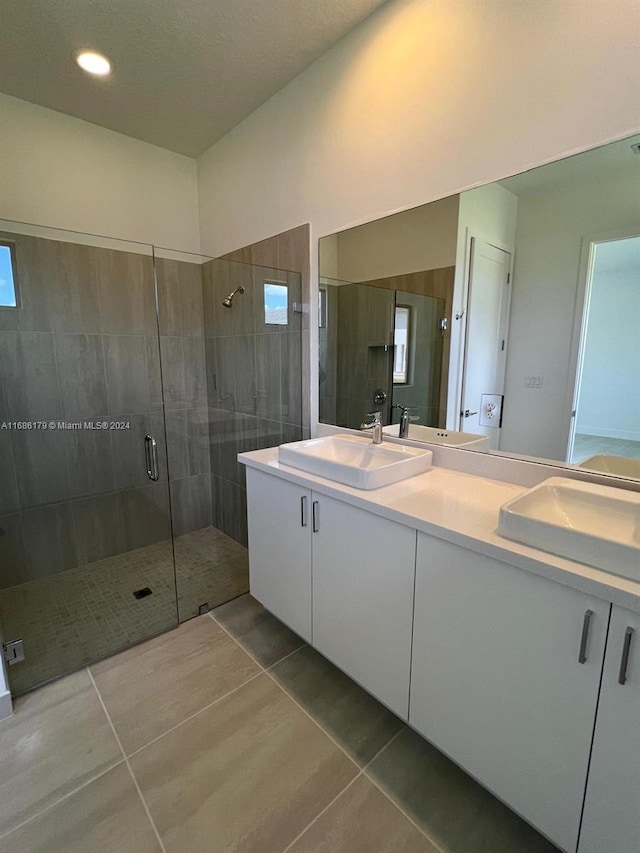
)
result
[(624, 662), (303, 511), (151, 455), (315, 516), (586, 624)]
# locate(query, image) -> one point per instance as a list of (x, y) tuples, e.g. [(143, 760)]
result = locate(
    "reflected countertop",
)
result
[(462, 509)]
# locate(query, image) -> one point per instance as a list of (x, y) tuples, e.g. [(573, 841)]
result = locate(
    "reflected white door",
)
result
[(485, 338)]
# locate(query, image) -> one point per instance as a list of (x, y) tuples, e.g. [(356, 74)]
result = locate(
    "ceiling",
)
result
[(184, 71)]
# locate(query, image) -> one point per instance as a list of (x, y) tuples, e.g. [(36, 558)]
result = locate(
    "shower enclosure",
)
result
[(127, 388), (380, 348)]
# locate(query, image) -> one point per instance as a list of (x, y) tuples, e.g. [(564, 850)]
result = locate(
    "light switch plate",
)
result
[(491, 410)]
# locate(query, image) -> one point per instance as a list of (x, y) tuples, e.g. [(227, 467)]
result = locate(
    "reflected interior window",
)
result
[(8, 290), (276, 304), (401, 346)]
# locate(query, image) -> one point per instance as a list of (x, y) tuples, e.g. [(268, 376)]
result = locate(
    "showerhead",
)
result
[(228, 300)]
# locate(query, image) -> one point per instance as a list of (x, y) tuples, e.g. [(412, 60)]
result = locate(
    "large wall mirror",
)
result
[(506, 318)]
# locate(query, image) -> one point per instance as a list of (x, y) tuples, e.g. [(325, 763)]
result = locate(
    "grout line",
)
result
[(344, 790), (362, 771), (295, 702), (61, 800), (126, 761), (275, 663), (324, 810), (367, 774), (195, 714)]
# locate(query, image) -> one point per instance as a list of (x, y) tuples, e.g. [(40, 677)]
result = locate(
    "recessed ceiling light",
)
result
[(93, 63)]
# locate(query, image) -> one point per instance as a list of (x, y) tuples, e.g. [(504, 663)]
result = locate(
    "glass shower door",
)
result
[(86, 558), (230, 338)]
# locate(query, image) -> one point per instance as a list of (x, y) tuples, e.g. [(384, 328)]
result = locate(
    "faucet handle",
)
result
[(377, 416)]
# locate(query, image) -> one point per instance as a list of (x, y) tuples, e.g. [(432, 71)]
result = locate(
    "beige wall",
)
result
[(420, 239), (65, 173), (422, 100)]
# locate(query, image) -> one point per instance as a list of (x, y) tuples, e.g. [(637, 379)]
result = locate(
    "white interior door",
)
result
[(485, 339)]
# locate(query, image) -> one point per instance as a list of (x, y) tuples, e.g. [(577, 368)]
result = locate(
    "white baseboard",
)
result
[(6, 705)]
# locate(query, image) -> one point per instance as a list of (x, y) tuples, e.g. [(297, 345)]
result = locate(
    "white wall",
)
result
[(422, 100), (420, 239), (62, 172), (551, 225), (609, 403)]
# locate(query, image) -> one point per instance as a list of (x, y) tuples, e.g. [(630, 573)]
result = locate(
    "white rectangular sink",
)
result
[(592, 524), (355, 461), (619, 466), (434, 435)]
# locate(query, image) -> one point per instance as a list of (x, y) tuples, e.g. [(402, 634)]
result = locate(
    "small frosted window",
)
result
[(7, 278), (276, 304)]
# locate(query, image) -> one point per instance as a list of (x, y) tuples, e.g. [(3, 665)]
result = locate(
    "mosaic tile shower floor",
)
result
[(85, 614)]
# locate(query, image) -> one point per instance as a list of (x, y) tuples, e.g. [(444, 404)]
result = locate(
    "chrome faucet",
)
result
[(404, 419), (374, 424)]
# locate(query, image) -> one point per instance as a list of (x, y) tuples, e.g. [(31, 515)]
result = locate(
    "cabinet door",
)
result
[(278, 518), (612, 808), (497, 684), (363, 575)]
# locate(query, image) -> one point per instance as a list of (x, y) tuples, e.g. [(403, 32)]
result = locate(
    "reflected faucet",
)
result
[(404, 419), (374, 424)]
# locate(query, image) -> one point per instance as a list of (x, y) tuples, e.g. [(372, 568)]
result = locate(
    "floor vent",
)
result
[(142, 593)]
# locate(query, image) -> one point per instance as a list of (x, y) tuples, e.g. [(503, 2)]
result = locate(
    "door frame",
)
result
[(580, 318), (472, 238)]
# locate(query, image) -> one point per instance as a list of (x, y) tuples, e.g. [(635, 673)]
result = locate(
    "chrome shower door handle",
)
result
[(151, 456)]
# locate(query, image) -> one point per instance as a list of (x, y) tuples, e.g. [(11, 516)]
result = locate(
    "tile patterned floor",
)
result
[(230, 734), (585, 446), (82, 615)]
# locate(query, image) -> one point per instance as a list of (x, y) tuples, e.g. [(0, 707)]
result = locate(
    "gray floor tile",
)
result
[(248, 774), (362, 820), (58, 739), (106, 816), (457, 813), (264, 636), (151, 688), (357, 721)]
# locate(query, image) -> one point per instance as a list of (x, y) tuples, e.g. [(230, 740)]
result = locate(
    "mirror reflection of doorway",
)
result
[(485, 339), (606, 410)]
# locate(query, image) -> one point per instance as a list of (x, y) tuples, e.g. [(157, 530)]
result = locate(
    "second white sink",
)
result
[(592, 524), (355, 461)]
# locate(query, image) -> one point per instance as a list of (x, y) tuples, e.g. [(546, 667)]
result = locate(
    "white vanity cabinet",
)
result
[(363, 576), (279, 522), (361, 569), (612, 808), (530, 685), (497, 682)]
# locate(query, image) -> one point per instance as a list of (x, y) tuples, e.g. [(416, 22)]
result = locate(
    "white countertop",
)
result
[(462, 509)]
